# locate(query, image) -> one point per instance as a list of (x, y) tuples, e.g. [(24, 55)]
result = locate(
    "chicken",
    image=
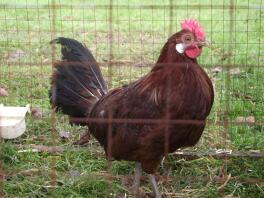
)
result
[(143, 121)]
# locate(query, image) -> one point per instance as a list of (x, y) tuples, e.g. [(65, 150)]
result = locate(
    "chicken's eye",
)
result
[(187, 38)]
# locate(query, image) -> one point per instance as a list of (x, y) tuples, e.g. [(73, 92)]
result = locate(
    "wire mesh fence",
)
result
[(125, 38)]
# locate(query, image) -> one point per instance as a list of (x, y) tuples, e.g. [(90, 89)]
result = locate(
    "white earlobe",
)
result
[(180, 48)]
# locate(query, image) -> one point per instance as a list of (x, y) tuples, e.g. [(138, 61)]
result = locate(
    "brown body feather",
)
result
[(190, 97), (177, 86)]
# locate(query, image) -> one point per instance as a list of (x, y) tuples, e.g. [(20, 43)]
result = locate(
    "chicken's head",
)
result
[(191, 39)]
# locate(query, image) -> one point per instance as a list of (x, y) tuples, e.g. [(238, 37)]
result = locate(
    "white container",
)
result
[(12, 121)]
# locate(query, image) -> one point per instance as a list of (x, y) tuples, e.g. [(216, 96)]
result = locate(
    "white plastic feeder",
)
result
[(12, 121)]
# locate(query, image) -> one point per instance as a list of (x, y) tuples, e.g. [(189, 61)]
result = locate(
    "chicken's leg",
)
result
[(136, 184), (154, 186)]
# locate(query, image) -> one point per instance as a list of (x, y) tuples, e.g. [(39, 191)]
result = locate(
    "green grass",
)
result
[(138, 35)]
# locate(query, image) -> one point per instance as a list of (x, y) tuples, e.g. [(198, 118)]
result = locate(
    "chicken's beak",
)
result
[(203, 43)]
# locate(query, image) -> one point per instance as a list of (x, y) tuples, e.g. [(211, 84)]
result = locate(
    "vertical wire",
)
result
[(110, 20), (110, 73), (141, 39), (187, 6), (167, 113), (72, 19), (53, 174), (130, 44), (246, 60), (7, 44), (167, 122), (260, 81), (222, 94), (17, 27), (83, 26), (228, 81), (211, 20), (1, 175), (30, 84), (61, 20), (1, 139), (233, 57), (152, 32), (164, 23), (95, 33), (41, 59), (118, 38), (211, 55), (171, 17)]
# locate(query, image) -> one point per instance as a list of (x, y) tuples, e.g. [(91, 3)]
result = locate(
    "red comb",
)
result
[(194, 27)]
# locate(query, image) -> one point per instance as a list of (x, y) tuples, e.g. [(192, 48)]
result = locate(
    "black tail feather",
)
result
[(77, 81), (72, 50)]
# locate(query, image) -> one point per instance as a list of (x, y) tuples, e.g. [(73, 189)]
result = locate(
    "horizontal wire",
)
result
[(125, 63), (159, 121), (131, 7)]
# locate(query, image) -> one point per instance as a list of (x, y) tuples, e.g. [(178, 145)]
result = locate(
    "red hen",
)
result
[(155, 115)]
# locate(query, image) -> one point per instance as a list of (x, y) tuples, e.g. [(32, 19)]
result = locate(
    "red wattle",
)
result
[(193, 52)]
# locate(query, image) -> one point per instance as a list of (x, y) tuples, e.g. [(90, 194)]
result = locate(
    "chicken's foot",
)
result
[(154, 186)]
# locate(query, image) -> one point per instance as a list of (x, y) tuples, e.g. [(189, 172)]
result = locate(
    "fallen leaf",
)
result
[(45, 60), (84, 139), (64, 134), (225, 55), (83, 33), (70, 18), (126, 181), (216, 69), (2, 175), (121, 195), (12, 56), (48, 149), (240, 119), (74, 173), (28, 151), (243, 96), (254, 151), (227, 179), (3, 92), (235, 71), (30, 172), (36, 112), (248, 119), (218, 179)]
